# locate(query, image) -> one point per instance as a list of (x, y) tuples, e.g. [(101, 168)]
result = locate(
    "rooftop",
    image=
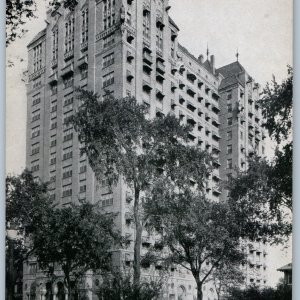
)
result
[(173, 23), (287, 267), (37, 37), (234, 68)]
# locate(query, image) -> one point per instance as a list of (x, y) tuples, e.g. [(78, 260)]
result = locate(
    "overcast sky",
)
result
[(261, 30)]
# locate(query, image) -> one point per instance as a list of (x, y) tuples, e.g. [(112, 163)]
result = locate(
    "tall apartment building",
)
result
[(242, 135), (124, 48)]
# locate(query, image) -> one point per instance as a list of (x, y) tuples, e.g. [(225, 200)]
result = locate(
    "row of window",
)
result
[(109, 16), (69, 34)]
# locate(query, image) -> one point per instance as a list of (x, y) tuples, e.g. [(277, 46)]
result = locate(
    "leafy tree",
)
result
[(277, 109), (76, 238), (121, 143), (251, 197), (265, 189), (27, 203), (281, 292), (200, 235), (225, 277), (27, 206), (117, 286), (18, 12)]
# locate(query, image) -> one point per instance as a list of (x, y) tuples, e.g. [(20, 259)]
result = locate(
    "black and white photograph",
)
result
[(149, 150)]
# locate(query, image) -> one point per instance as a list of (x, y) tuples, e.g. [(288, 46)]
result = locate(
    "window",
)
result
[(53, 124), (68, 135), (83, 167), (35, 131), (242, 135), (67, 172), (84, 25), (229, 107), (55, 44), (36, 99), (108, 13), (108, 60), (53, 112), (36, 115), (35, 148), (67, 118), (52, 160), (146, 24), (68, 104), (67, 153), (54, 108), (82, 189), (52, 178), (53, 141), (108, 79), (53, 89), (229, 163), (69, 34), (229, 135), (229, 149), (32, 268), (67, 190), (37, 57), (229, 95), (159, 38), (229, 121), (68, 81), (172, 49), (35, 166), (107, 202), (263, 150), (108, 41), (84, 71), (36, 82)]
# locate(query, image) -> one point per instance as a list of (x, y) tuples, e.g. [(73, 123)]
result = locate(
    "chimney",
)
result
[(200, 58), (212, 62)]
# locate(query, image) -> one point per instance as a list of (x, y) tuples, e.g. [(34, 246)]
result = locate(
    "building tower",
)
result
[(242, 135), (119, 48)]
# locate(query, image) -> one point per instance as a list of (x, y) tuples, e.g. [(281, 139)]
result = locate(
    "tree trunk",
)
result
[(199, 290), (68, 283), (138, 241)]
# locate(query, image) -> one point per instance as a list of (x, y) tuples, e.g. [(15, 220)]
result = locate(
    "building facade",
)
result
[(243, 135), (124, 48)]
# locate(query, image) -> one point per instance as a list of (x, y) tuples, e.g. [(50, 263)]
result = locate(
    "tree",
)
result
[(201, 235), (251, 195), (119, 286), (27, 206), (18, 12), (265, 189), (121, 143), (226, 277), (77, 238), (277, 109), (281, 292), (27, 203)]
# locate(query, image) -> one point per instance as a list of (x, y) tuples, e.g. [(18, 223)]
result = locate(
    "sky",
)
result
[(260, 30)]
